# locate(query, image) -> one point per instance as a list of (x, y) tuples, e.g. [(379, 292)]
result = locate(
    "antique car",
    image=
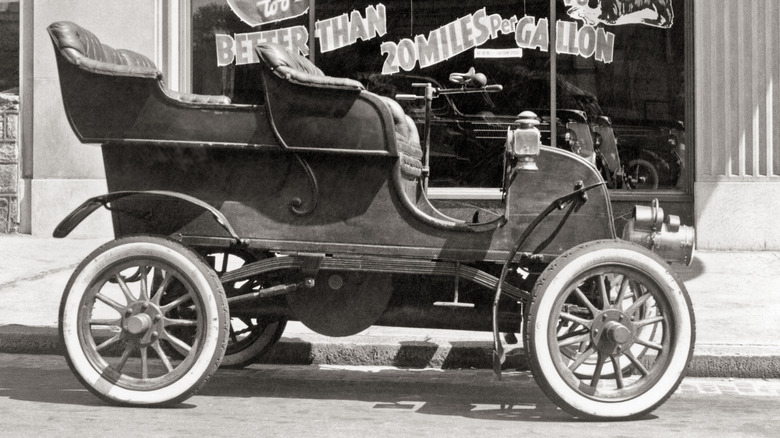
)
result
[(654, 153), (319, 193)]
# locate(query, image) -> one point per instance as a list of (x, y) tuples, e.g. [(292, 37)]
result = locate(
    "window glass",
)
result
[(619, 78), (214, 22), (9, 47)]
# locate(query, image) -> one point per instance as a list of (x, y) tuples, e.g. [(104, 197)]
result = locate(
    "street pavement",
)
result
[(39, 396), (735, 299)]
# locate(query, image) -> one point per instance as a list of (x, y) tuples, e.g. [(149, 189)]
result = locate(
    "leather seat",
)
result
[(297, 69), (82, 48)]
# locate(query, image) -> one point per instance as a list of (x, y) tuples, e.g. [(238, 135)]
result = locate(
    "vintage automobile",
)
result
[(655, 155), (319, 193)]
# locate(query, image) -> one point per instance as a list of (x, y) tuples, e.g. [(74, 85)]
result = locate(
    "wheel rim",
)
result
[(615, 316), (140, 318)]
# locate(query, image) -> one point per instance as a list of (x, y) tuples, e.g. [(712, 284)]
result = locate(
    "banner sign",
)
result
[(445, 42), (259, 12), (333, 33), (658, 13), (571, 39), (474, 30), (344, 30), (586, 39), (242, 47)]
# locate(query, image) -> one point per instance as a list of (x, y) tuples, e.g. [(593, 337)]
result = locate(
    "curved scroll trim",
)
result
[(296, 204)]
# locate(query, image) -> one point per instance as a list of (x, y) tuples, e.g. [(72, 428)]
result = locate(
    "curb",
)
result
[(724, 361)]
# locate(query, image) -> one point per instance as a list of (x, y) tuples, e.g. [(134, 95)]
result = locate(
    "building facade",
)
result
[(686, 88)]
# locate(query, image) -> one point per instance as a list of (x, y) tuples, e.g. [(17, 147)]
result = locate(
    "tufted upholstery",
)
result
[(297, 69), (82, 48)]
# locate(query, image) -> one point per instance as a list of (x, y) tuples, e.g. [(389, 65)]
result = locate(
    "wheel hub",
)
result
[(143, 321), (612, 332)]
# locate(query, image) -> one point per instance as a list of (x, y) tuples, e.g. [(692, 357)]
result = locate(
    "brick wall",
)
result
[(9, 164)]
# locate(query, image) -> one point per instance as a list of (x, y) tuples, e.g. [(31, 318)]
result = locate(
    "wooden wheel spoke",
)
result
[(109, 342), (111, 303), (581, 358), (648, 321), (605, 304), (576, 319), (224, 263), (618, 371), (622, 293), (144, 271), (233, 335), (181, 322), (161, 354), (123, 360), (648, 344), (177, 343), (166, 280), (144, 364), (175, 303), (575, 337), (639, 366), (597, 372), (106, 322), (637, 304), (129, 298), (581, 295)]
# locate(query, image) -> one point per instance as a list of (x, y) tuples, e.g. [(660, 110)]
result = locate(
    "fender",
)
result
[(90, 205)]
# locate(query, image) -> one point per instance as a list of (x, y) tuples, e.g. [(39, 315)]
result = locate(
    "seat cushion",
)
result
[(407, 137)]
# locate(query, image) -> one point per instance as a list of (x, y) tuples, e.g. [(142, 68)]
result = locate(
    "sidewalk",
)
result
[(735, 297)]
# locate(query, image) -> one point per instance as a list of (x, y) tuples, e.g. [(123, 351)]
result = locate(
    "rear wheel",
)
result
[(610, 331), (119, 313), (250, 337)]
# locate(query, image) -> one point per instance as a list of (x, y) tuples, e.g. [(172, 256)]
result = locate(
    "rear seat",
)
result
[(82, 48)]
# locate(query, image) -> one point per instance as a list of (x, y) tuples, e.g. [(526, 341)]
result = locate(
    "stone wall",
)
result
[(9, 164)]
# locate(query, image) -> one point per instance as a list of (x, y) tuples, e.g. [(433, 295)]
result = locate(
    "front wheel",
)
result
[(126, 307), (595, 309)]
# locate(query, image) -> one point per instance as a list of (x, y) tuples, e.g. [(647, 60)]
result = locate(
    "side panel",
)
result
[(344, 203)]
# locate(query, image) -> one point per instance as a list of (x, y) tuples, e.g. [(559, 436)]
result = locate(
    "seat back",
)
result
[(83, 48), (341, 102)]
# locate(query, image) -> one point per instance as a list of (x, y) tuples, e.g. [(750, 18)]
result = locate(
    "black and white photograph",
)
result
[(389, 218)]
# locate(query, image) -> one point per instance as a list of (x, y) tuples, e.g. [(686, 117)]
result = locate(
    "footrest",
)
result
[(453, 304)]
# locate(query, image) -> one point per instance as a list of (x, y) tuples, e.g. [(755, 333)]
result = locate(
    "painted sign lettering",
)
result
[(259, 12)]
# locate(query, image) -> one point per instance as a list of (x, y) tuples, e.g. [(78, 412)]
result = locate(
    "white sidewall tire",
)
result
[(214, 310), (567, 267)]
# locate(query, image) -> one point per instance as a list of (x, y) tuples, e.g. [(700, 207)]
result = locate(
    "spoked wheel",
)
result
[(610, 331), (641, 175), (249, 338), (118, 333), (575, 344)]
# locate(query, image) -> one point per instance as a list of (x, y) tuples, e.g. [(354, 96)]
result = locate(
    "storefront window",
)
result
[(619, 72), (9, 47)]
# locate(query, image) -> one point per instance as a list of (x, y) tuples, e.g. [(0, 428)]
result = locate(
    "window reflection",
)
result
[(622, 109)]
